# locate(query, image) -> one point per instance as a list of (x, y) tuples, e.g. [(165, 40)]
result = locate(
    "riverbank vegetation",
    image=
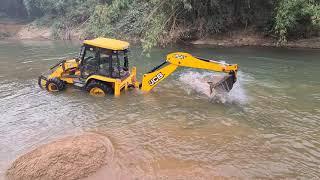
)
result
[(159, 22)]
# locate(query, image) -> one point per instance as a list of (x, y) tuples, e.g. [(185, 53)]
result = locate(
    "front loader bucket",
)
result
[(222, 83), (42, 82)]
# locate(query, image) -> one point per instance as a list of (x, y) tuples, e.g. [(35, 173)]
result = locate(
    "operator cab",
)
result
[(105, 57)]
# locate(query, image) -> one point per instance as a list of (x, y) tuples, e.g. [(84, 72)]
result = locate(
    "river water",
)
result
[(267, 127)]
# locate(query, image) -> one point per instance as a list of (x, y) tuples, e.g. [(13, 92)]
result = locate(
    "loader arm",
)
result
[(180, 59)]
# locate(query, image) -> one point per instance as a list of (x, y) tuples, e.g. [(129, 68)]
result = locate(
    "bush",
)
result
[(159, 22), (296, 14)]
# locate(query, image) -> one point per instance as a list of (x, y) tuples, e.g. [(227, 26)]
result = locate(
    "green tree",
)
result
[(292, 14)]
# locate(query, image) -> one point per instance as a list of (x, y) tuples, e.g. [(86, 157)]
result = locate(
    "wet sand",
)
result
[(69, 158)]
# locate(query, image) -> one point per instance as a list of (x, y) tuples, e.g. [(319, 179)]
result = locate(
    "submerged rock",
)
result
[(72, 157)]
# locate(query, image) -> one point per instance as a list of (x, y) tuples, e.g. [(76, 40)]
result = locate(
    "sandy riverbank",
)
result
[(249, 38), (22, 30), (73, 157)]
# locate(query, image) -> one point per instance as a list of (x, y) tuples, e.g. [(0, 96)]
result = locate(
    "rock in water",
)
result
[(69, 158)]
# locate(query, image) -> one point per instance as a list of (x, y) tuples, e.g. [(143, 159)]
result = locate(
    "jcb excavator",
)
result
[(103, 68)]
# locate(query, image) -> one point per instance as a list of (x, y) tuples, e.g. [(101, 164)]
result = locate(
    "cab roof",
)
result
[(107, 43)]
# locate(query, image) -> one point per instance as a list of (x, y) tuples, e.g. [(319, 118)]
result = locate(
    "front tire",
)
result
[(55, 85), (99, 89)]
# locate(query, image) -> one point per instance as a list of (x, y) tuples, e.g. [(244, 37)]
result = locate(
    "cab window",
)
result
[(91, 56)]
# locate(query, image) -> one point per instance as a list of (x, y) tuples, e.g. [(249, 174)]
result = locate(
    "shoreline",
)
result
[(15, 30), (245, 38), (297, 44)]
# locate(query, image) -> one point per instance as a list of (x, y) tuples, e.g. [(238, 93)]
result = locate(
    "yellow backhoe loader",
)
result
[(103, 68)]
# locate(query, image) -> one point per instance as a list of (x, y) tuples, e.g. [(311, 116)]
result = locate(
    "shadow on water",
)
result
[(267, 127)]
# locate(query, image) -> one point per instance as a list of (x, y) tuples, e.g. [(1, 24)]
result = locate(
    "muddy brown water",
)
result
[(267, 127)]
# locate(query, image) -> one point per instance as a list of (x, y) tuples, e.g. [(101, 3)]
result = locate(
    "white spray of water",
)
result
[(198, 82)]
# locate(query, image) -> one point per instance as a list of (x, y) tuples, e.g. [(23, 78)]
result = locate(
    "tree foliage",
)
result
[(159, 22), (293, 15), (163, 21)]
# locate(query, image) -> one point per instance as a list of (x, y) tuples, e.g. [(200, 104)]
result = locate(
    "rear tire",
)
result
[(99, 89), (55, 85)]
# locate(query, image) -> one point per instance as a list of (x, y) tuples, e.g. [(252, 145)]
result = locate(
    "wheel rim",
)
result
[(98, 92), (53, 87)]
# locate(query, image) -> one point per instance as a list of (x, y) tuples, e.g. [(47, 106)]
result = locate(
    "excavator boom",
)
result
[(180, 59)]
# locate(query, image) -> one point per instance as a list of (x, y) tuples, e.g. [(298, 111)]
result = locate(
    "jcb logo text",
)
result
[(155, 79)]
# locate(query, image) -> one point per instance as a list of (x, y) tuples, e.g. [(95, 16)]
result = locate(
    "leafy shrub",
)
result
[(292, 14), (159, 22)]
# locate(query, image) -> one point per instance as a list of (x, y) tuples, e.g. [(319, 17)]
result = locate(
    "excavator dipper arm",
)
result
[(180, 59)]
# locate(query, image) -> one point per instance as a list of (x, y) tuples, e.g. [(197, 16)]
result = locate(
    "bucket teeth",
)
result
[(222, 84)]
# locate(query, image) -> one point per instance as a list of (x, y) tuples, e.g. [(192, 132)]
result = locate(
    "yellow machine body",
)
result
[(62, 72), (107, 43), (71, 71), (118, 84)]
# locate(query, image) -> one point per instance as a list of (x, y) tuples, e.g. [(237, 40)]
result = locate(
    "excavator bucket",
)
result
[(222, 84)]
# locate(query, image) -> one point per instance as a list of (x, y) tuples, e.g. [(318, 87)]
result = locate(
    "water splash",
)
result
[(197, 82)]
